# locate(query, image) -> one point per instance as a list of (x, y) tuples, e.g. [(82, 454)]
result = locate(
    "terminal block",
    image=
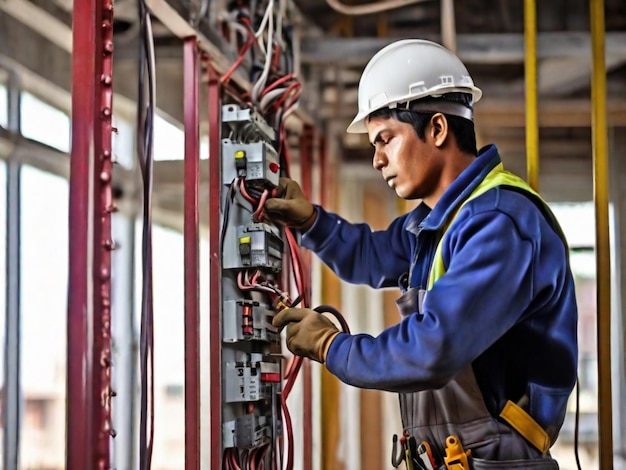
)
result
[(250, 380), (246, 123), (257, 162), (246, 432), (256, 246), (247, 320)]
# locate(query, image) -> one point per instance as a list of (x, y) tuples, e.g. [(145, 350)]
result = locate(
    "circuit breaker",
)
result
[(256, 245), (256, 161)]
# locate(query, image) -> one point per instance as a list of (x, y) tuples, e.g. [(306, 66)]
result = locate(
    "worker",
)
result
[(486, 347)]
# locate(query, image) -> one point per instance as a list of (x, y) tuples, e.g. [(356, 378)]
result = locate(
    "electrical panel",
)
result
[(252, 250)]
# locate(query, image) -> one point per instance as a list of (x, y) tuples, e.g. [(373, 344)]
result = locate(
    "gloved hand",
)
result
[(290, 207), (309, 333)]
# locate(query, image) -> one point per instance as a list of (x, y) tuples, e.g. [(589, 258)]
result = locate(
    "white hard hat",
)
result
[(407, 70)]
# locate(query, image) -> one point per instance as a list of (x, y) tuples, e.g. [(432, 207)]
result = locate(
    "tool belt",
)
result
[(423, 456)]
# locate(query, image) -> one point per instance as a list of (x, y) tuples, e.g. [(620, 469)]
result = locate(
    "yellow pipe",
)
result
[(530, 82), (600, 145)]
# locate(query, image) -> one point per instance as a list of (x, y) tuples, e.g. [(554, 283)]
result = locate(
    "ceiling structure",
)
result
[(35, 38)]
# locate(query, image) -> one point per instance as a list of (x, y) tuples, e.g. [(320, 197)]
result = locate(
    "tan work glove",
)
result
[(290, 207), (309, 333)]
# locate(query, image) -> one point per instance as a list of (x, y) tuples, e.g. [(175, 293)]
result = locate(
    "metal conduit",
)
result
[(11, 403), (530, 84), (599, 139)]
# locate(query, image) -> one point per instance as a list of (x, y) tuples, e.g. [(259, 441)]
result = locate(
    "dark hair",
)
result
[(463, 129)]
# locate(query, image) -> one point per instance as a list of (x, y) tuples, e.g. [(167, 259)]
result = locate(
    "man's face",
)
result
[(409, 165)]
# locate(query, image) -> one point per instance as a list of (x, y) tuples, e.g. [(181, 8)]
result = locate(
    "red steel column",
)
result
[(192, 266), (306, 161), (91, 203), (323, 162), (215, 268)]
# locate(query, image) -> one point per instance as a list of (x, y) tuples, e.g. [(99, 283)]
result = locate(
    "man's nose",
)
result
[(379, 161)]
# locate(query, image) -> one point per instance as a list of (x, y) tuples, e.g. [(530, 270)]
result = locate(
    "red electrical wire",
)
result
[(258, 213), (244, 191), (242, 52), (277, 82)]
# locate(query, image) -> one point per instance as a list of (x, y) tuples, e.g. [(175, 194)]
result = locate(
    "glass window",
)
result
[(169, 140), (578, 223), (4, 104), (168, 286), (3, 218), (44, 123), (44, 258)]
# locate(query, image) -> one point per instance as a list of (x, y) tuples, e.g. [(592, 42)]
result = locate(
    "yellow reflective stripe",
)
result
[(496, 177), (524, 424)]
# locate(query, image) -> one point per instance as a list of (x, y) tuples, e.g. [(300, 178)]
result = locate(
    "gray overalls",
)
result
[(458, 408)]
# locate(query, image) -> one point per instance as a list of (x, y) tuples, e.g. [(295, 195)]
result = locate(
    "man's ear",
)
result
[(439, 129)]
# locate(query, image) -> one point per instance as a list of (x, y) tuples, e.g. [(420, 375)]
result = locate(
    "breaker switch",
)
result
[(240, 161), (245, 246)]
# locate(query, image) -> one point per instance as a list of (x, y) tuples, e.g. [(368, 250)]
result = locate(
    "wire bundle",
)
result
[(146, 105), (265, 40)]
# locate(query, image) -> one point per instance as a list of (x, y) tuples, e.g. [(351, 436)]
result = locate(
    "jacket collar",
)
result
[(423, 218)]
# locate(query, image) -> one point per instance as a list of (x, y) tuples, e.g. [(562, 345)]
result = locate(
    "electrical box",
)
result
[(247, 120), (247, 432), (257, 245), (248, 320), (251, 380), (257, 162)]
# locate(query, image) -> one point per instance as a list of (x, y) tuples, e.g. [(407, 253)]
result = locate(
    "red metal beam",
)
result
[(91, 203), (215, 267), (306, 164), (192, 267), (323, 163)]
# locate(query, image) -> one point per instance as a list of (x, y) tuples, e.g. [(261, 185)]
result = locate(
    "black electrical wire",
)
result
[(227, 204), (576, 425), (335, 313), (145, 149)]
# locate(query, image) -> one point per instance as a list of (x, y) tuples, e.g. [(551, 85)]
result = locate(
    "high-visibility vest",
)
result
[(516, 416)]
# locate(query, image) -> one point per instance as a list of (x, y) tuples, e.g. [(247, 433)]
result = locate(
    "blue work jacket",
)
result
[(506, 304)]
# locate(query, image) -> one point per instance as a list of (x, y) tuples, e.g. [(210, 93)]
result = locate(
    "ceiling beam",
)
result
[(50, 27), (474, 48), (502, 113)]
